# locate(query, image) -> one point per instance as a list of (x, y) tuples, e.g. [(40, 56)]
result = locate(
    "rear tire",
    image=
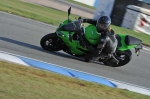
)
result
[(124, 57), (51, 42)]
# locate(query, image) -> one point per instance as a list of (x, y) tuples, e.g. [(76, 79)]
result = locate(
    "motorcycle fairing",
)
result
[(91, 35), (74, 45)]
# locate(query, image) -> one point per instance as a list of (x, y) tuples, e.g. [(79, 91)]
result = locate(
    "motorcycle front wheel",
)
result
[(51, 42)]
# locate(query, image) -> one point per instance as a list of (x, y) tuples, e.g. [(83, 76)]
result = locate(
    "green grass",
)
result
[(87, 6), (54, 17), (21, 82), (40, 13)]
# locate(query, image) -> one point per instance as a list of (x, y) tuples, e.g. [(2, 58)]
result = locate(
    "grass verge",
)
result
[(40, 13), (21, 82), (54, 17)]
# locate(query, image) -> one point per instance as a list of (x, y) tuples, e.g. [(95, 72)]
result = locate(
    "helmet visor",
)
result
[(102, 26)]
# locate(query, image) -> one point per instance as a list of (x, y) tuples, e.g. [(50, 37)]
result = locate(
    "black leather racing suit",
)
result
[(108, 41)]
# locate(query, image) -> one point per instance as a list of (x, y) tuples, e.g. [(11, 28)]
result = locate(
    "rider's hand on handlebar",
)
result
[(81, 20)]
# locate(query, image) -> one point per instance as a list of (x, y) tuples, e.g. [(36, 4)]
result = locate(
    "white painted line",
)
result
[(132, 88), (146, 49), (11, 58), (145, 52)]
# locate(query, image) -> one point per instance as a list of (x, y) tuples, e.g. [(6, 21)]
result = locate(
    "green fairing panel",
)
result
[(123, 45), (74, 45), (91, 35)]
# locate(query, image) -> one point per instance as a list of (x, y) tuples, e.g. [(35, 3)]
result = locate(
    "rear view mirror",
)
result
[(69, 11)]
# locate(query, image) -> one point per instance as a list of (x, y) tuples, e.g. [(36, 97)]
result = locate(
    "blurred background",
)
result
[(130, 14)]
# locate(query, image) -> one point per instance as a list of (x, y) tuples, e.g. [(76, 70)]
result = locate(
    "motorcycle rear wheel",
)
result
[(124, 57), (51, 42)]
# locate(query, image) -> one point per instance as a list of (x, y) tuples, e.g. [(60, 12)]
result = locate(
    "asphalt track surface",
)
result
[(22, 36)]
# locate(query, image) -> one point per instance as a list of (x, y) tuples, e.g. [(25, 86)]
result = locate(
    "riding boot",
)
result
[(115, 60), (101, 55), (89, 57)]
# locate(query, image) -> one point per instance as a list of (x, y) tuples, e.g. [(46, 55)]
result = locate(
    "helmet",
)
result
[(103, 23)]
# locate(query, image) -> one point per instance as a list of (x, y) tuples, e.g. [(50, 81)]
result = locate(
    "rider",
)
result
[(108, 41)]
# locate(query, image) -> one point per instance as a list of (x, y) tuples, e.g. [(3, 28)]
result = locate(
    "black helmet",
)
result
[(103, 23)]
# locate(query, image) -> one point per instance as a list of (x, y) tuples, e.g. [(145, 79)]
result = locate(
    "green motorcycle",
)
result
[(67, 38)]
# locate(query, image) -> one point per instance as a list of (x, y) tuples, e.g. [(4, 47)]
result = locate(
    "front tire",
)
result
[(124, 57), (51, 42)]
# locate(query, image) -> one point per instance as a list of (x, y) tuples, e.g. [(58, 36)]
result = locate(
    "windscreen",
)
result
[(73, 26)]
